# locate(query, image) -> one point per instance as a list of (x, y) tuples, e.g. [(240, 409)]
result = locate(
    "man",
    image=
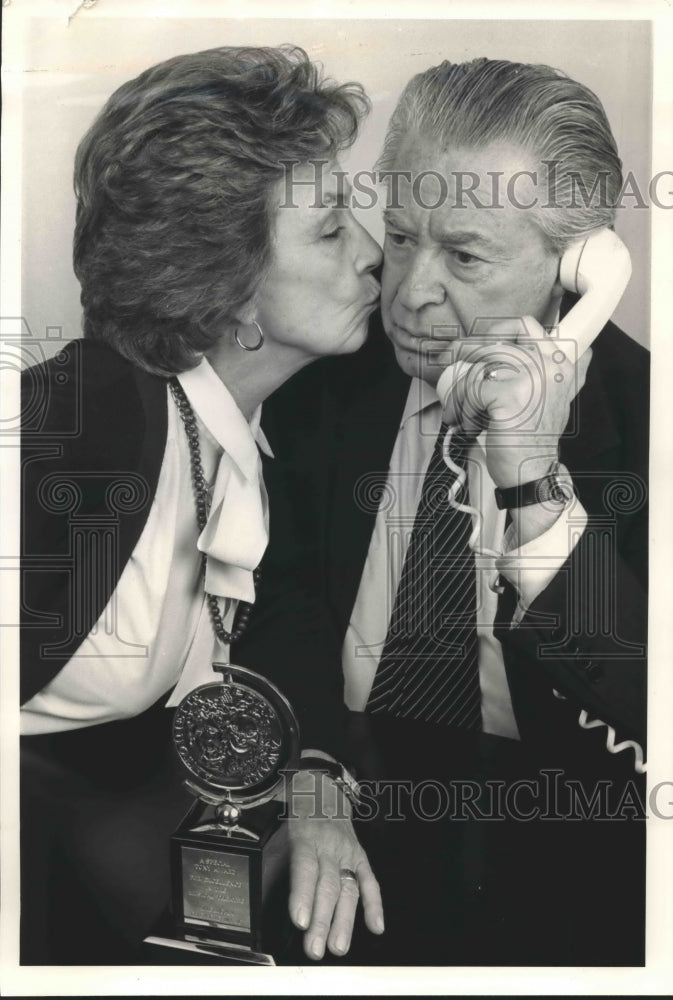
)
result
[(482, 161)]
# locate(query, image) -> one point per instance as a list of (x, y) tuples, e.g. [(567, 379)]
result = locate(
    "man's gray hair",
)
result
[(559, 121)]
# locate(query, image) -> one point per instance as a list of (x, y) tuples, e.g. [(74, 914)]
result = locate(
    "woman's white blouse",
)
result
[(155, 632)]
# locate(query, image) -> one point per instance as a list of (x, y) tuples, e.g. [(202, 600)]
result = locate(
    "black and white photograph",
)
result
[(335, 376)]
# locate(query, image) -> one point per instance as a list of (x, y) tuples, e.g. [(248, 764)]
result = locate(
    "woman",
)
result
[(211, 272)]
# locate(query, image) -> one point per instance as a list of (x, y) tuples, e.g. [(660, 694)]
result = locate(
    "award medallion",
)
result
[(234, 736)]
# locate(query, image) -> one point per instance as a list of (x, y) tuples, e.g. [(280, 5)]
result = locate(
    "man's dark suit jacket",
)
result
[(333, 428)]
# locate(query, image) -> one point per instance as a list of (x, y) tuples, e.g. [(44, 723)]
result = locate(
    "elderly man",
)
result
[(470, 504)]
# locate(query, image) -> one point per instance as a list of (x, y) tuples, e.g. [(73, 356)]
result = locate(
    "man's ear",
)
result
[(557, 291), (556, 294)]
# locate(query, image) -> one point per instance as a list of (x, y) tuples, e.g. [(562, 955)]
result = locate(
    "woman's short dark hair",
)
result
[(173, 183)]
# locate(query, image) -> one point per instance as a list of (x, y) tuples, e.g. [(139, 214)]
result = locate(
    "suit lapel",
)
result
[(591, 446), (591, 430), (365, 433)]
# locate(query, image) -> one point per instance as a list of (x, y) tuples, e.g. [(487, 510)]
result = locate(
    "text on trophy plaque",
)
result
[(216, 888)]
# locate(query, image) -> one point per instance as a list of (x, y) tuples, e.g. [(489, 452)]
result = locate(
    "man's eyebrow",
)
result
[(473, 239), (452, 238), (464, 237), (393, 218)]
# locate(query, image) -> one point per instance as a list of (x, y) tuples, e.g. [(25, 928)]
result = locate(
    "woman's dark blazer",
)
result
[(93, 440)]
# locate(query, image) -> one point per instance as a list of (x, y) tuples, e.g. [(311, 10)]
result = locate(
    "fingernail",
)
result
[(317, 947), (379, 925), (302, 918), (341, 945)]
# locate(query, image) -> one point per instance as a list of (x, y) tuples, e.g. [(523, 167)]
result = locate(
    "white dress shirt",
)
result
[(155, 632), (529, 568)]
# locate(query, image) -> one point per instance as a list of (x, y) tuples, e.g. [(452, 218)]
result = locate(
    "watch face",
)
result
[(556, 490), (560, 492), (234, 736)]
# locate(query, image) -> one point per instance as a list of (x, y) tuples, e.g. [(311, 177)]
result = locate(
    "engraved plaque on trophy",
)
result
[(229, 855)]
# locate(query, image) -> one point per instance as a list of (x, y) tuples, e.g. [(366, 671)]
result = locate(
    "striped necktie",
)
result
[(429, 669)]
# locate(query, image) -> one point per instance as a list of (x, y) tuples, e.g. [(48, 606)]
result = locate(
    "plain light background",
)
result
[(71, 70)]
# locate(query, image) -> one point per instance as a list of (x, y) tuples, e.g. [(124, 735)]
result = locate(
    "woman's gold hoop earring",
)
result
[(259, 342)]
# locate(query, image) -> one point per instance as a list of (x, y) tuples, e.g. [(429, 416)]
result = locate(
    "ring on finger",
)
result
[(500, 368), (347, 875)]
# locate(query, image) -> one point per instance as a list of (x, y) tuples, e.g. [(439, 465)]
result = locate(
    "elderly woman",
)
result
[(206, 284)]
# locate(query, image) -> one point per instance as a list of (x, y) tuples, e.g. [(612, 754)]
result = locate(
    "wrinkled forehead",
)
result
[(431, 174), (495, 192)]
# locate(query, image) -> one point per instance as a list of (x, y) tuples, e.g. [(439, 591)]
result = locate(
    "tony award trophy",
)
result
[(229, 855)]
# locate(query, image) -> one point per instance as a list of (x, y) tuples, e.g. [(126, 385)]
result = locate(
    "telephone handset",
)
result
[(598, 269)]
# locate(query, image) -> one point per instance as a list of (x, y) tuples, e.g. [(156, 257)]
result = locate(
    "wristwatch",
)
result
[(555, 487), (334, 770)]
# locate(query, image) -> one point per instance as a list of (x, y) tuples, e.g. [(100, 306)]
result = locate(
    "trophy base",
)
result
[(175, 951), (230, 891)]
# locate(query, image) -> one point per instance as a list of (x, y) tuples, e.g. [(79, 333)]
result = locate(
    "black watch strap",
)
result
[(337, 772), (554, 487)]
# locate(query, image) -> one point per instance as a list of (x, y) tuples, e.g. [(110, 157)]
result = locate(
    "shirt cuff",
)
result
[(531, 567), (318, 753)]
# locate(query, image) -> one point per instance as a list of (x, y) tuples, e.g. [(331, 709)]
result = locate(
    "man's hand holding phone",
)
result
[(517, 388)]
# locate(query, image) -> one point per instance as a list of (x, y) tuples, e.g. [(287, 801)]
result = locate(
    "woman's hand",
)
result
[(323, 846)]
